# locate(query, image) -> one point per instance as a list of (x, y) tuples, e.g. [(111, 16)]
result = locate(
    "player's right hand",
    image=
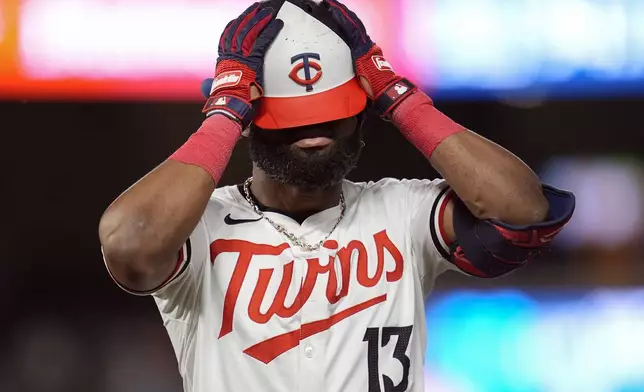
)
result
[(242, 47)]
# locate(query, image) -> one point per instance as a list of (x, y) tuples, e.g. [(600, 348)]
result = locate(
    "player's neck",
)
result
[(292, 199)]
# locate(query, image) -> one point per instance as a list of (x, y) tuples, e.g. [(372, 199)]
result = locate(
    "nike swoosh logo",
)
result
[(272, 348), (231, 221)]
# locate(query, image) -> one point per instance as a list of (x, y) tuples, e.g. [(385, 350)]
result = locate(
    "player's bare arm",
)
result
[(491, 181), (494, 189), (143, 230)]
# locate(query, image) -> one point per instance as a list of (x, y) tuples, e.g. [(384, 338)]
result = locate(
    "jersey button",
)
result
[(308, 351)]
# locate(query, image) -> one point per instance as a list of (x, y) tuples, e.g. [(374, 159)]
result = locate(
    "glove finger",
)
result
[(351, 15), (266, 37), (355, 17), (251, 30), (231, 33), (206, 86), (348, 21), (222, 40), (339, 18), (262, 44)]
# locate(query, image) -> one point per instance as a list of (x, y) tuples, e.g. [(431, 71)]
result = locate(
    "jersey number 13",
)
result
[(375, 339)]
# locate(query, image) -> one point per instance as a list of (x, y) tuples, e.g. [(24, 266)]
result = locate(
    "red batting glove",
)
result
[(388, 89), (242, 47), (415, 115)]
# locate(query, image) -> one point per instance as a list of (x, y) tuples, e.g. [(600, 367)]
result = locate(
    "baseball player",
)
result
[(297, 279)]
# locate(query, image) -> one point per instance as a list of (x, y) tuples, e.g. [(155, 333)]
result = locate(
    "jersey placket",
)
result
[(312, 348), (314, 310)]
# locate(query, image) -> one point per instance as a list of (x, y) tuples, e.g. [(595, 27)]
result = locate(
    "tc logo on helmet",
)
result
[(306, 65)]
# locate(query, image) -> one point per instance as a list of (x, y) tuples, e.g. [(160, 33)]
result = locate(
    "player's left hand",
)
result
[(376, 75)]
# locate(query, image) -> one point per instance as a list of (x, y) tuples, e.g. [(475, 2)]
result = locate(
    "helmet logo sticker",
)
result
[(306, 64)]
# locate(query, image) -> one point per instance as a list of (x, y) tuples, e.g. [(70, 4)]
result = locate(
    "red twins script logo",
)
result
[(271, 348)]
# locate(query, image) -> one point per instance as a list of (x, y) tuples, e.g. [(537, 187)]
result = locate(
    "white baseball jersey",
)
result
[(248, 312)]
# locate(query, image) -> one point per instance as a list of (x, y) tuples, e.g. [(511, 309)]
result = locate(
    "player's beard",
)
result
[(310, 168)]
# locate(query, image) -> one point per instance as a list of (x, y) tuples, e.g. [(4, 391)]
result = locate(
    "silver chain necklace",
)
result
[(281, 229)]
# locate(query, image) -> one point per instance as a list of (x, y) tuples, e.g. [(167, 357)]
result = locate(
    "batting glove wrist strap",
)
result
[(231, 106), (392, 95)]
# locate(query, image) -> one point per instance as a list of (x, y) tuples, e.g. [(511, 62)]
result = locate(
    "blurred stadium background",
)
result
[(95, 93)]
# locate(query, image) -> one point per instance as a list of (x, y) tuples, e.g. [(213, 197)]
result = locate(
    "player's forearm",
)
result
[(491, 181), (143, 230)]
